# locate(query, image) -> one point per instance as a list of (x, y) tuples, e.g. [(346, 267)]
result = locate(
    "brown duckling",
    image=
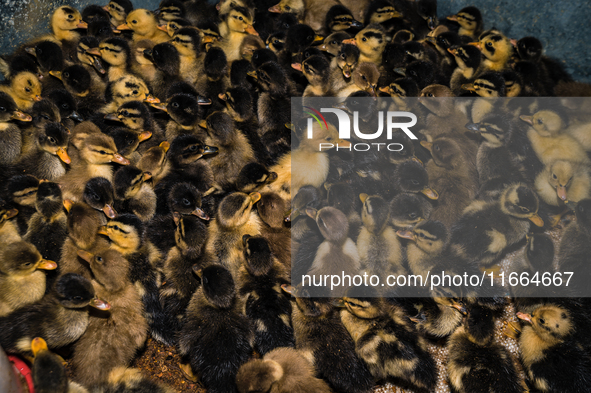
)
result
[(22, 280), (117, 333), (21, 194), (24, 88), (8, 229), (144, 25), (271, 209), (365, 77), (155, 162), (342, 66), (133, 194), (332, 44)]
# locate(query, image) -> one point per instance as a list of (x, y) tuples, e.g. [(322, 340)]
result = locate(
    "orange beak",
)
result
[(85, 255), (37, 98), (255, 197), (63, 155), (350, 41), (528, 119), (385, 89), (10, 213), (160, 106), (18, 115), (223, 97), (452, 51), (468, 86), (47, 265), (427, 145), (406, 235), (476, 44), (536, 219), (297, 66), (275, 9), (165, 146), (453, 17), (250, 30), (38, 345), (430, 193), (99, 304), (119, 159), (109, 211), (103, 231), (68, 205), (152, 100), (524, 317), (94, 52), (163, 28), (145, 136), (288, 289), (82, 25)]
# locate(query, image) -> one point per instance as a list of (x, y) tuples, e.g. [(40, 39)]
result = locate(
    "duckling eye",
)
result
[(125, 113), (77, 298), (412, 215), (175, 104), (3, 109), (27, 264), (333, 42), (343, 56), (102, 152), (489, 44), (422, 235), (554, 176), (65, 106), (51, 139), (287, 8), (67, 74), (134, 22), (542, 321), (429, 94), (524, 209), (240, 18), (329, 139), (70, 16), (415, 182), (364, 78), (116, 227), (364, 39), (135, 92), (96, 197), (186, 202), (28, 90), (177, 39), (99, 259), (540, 121)]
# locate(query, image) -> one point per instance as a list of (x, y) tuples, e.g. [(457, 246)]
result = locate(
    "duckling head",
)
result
[(220, 127), (66, 103), (402, 88), (313, 302), (552, 323), (529, 49), (316, 69), (407, 53), (22, 189), (409, 209), (496, 129), (347, 59), (560, 176), (49, 373), (187, 41), (66, 19), (259, 259), (170, 9), (48, 54), (115, 51), (186, 149), (218, 286), (364, 302), (380, 11), (365, 76), (54, 140), (9, 110), (298, 38), (100, 149), (215, 64), (83, 223), (154, 159), (125, 233), (86, 45), (340, 18), (127, 141), (271, 209), (49, 199), (234, 210), (26, 86), (141, 21), (127, 88), (466, 56), (240, 20), (109, 268), (479, 324), (307, 196), (184, 198), (174, 25), (118, 10), (272, 78), (296, 7), (261, 56), (429, 236), (413, 177), (184, 109), (128, 181), (239, 103), (371, 41), (333, 224), (375, 213), (165, 57), (190, 234), (100, 27), (489, 84), (258, 375), (546, 122), (406, 150), (521, 202), (495, 47), (332, 44), (76, 79), (98, 193), (44, 112), (446, 152), (469, 19), (445, 41), (422, 72), (249, 45), (438, 100), (75, 291), (135, 115), (22, 259), (276, 41)]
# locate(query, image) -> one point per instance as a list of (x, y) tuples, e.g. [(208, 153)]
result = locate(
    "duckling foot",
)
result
[(187, 372), (512, 329)]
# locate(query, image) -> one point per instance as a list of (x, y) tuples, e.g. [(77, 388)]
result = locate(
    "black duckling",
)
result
[(442, 43), (47, 229), (185, 111), (128, 141), (98, 193), (339, 18), (378, 246), (478, 362), (487, 229), (316, 69), (12, 65), (48, 158), (386, 339), (407, 210), (10, 133), (118, 10), (470, 21), (412, 177), (24, 88), (49, 372), (133, 194), (115, 335), (423, 72), (282, 370), (332, 43), (271, 209), (488, 84), (167, 61), (21, 193), (266, 305), (468, 59), (50, 58), (216, 338), (78, 82), (67, 105), (22, 280), (60, 318), (276, 41), (319, 331), (254, 177)]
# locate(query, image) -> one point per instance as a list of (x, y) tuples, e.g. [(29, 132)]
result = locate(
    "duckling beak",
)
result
[(210, 150), (85, 255), (109, 211), (468, 86), (372, 91), (524, 317), (427, 145), (94, 52), (119, 159), (250, 30), (207, 39), (10, 213), (291, 215), (453, 17), (112, 117), (344, 144), (431, 22), (400, 71), (245, 239), (67, 205), (203, 100), (63, 155), (57, 74), (96, 63), (350, 41), (38, 345), (297, 66), (200, 213), (339, 303), (254, 197), (150, 99), (275, 9), (385, 89), (160, 106), (146, 176), (124, 26), (356, 24), (452, 51), (460, 308), (347, 71), (144, 136), (513, 42), (430, 193), (561, 192), (431, 40), (406, 235), (18, 115), (82, 25), (30, 50), (318, 38), (106, 8), (536, 219), (473, 127), (476, 44), (363, 197), (37, 98), (198, 271), (76, 116), (103, 231), (288, 289), (252, 74), (311, 212), (203, 124), (223, 97), (99, 304), (164, 28), (165, 146), (415, 159), (47, 265), (528, 119)]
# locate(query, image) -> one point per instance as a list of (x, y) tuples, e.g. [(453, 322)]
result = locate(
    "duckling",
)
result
[(116, 53), (442, 43), (10, 133), (115, 335), (169, 10), (553, 358), (167, 61), (488, 84), (22, 280), (214, 80), (324, 340), (67, 105), (470, 21), (307, 12), (377, 243), (271, 209), (21, 193), (282, 370), (266, 305), (65, 20), (8, 229), (468, 60), (24, 88), (562, 182), (497, 50), (144, 25), (235, 25), (365, 78), (342, 66), (155, 162), (439, 316), (409, 209), (332, 44), (371, 42), (173, 25), (316, 69), (49, 372), (98, 193), (574, 245), (385, 339), (235, 218), (487, 229), (100, 26), (125, 89), (424, 73), (410, 176), (379, 12), (47, 229), (214, 316), (50, 58), (185, 111), (47, 159), (127, 142), (476, 361), (60, 318), (399, 89), (118, 11), (188, 43), (12, 65), (91, 62), (133, 194), (136, 116), (339, 18)]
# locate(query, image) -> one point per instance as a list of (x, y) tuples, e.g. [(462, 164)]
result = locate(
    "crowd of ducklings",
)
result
[(145, 163)]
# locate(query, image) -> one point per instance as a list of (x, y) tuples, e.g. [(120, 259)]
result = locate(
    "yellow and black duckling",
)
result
[(60, 318), (136, 116), (186, 111), (98, 194), (339, 18), (235, 25), (470, 21), (324, 340), (408, 209), (271, 209), (64, 22), (378, 246), (116, 53), (371, 42), (468, 59), (439, 316), (23, 281), (217, 337), (10, 133), (118, 10), (562, 182), (487, 84), (387, 340), (133, 194), (497, 50), (24, 88), (125, 89), (48, 228), (266, 305), (188, 43), (144, 25), (476, 361), (174, 25), (553, 358), (316, 69), (47, 159), (487, 229), (282, 370), (307, 12), (235, 218), (117, 333), (49, 372), (169, 10)]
